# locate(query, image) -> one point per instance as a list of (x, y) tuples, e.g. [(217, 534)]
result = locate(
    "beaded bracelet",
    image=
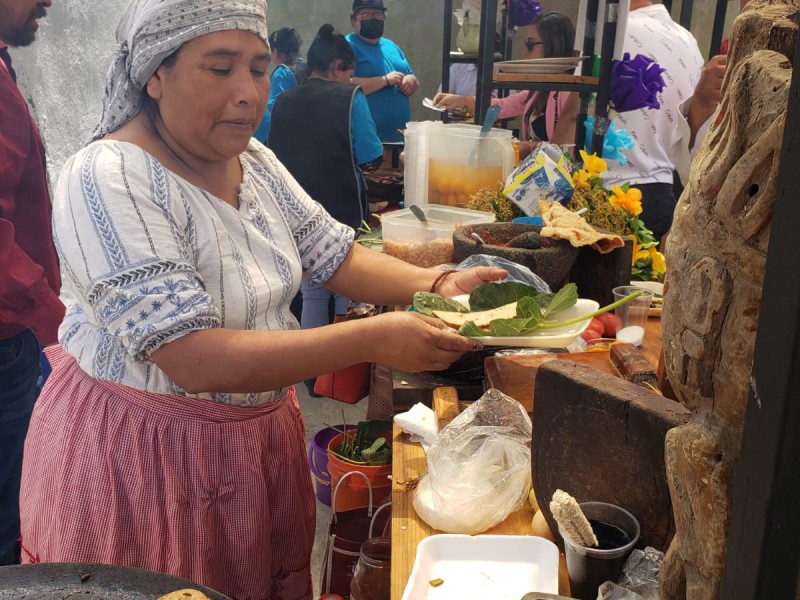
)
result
[(386, 79), (440, 278)]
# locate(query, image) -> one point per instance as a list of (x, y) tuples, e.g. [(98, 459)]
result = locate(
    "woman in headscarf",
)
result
[(168, 436)]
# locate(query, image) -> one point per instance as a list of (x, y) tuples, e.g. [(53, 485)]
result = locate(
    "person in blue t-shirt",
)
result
[(289, 72), (381, 70)]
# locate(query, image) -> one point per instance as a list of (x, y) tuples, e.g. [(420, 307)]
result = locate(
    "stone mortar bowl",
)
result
[(550, 259)]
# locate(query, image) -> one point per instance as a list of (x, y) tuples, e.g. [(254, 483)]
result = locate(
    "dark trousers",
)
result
[(19, 388), (658, 206)]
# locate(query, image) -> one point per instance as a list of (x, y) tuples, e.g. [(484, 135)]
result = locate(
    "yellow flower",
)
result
[(630, 200), (638, 252), (581, 179), (659, 262), (593, 164)]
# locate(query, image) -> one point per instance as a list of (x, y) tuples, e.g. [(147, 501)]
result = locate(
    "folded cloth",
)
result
[(420, 423)]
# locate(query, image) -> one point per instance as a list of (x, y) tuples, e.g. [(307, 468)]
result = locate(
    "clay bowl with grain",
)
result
[(550, 259)]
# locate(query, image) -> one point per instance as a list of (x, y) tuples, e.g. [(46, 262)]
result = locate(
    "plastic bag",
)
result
[(516, 272), (544, 175), (479, 467), (639, 579)]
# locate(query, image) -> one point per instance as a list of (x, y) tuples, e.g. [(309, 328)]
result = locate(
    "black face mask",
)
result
[(372, 29)]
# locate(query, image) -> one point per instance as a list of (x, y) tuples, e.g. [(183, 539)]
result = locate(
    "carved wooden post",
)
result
[(716, 255)]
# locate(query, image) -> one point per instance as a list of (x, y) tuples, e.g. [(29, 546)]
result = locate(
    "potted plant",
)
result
[(366, 449)]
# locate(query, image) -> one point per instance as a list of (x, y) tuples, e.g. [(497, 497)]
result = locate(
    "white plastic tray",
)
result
[(483, 567)]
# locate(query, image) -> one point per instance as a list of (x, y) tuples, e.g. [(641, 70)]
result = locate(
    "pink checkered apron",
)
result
[(215, 493)]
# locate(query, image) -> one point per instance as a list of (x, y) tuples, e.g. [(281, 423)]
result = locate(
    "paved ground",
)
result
[(319, 413)]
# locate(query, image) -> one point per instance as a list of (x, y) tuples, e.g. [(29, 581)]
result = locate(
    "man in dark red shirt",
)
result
[(30, 311)]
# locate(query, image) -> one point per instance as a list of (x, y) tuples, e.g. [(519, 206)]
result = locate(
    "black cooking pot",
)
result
[(85, 581)]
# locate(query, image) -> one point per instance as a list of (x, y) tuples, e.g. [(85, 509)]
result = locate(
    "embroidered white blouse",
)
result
[(147, 257)]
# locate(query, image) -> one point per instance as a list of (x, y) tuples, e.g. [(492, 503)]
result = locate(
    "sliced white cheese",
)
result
[(481, 318)]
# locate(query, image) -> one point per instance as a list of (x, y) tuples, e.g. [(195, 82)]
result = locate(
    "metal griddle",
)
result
[(84, 581)]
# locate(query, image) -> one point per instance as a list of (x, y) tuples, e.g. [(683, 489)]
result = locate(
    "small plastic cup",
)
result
[(633, 314), (589, 567)]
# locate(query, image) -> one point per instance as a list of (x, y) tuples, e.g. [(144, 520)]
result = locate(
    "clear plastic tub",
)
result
[(431, 244), (461, 161)]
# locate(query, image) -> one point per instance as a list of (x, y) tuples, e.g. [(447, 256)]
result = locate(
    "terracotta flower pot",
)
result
[(354, 492)]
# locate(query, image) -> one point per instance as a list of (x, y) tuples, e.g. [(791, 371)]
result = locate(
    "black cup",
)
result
[(590, 567)]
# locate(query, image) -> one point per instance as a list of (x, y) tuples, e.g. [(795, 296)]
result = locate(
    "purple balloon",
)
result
[(523, 12)]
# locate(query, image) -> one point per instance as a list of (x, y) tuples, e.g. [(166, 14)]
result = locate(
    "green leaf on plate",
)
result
[(426, 302), (493, 295), (529, 317), (564, 298)]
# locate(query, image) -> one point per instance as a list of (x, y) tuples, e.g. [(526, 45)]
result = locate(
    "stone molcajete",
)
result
[(549, 259)]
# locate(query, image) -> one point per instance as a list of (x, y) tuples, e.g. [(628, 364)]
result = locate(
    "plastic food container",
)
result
[(460, 162), (427, 245), (481, 567)]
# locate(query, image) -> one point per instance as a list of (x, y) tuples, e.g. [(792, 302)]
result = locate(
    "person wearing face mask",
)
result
[(324, 135), (381, 70)]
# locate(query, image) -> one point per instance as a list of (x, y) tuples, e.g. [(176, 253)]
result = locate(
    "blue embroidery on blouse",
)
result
[(107, 234)]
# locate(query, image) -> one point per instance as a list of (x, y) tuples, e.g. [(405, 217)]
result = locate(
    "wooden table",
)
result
[(408, 464), (512, 374)]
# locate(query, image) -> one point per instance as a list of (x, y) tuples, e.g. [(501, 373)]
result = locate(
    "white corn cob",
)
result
[(571, 519)]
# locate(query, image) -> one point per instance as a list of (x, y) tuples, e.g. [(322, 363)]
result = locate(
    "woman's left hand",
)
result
[(409, 85), (463, 282)]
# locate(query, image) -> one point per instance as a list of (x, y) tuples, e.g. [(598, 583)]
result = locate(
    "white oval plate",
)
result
[(566, 60), (560, 337), (536, 69)]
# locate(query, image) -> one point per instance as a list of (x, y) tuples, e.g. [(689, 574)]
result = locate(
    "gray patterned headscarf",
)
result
[(150, 31)]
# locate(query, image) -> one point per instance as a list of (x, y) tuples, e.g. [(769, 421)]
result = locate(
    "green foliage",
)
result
[(491, 199), (364, 445), (426, 302), (494, 295), (564, 298), (601, 213), (532, 310)]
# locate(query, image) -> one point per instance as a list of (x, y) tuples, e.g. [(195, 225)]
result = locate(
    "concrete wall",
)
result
[(63, 73)]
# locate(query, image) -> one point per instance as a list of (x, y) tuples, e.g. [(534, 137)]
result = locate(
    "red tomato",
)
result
[(593, 331), (611, 323)]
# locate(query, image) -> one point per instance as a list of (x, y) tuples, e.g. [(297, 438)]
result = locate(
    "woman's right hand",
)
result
[(413, 342), (450, 101)]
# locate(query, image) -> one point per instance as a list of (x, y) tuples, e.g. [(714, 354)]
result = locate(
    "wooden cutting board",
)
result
[(514, 375)]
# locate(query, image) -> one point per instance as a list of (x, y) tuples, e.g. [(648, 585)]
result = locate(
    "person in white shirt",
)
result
[(652, 32), (695, 115)]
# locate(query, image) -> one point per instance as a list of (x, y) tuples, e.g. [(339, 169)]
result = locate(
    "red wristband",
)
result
[(440, 278)]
